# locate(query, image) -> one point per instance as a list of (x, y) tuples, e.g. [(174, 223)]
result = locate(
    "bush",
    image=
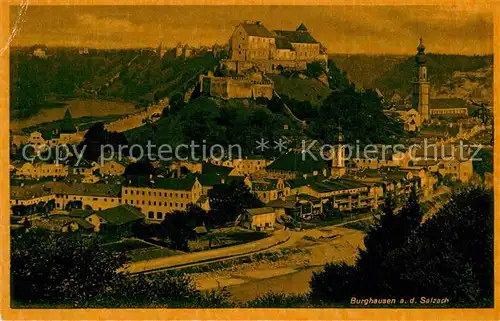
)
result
[(449, 255), (67, 270), (280, 300)]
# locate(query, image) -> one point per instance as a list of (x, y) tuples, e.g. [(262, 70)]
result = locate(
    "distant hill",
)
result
[(364, 70), (451, 76), (137, 76)]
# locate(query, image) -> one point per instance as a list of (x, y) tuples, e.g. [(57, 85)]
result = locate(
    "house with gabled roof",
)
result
[(296, 165), (254, 45), (258, 219), (156, 197)]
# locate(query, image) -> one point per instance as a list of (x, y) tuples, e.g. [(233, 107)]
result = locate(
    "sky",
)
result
[(342, 29)]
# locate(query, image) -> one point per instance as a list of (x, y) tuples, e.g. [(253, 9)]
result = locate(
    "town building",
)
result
[(453, 107), (412, 121), (83, 51), (83, 167), (244, 166), (64, 133), (112, 168), (338, 157), (40, 52), (268, 190), (421, 84), (63, 223), (86, 196), (42, 170), (296, 165), (155, 198), (67, 195), (257, 218), (297, 207)]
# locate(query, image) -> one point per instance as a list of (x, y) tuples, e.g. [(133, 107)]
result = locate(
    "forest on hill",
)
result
[(137, 76), (392, 73)]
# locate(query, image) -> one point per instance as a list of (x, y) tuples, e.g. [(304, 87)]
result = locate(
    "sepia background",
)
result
[(343, 30)]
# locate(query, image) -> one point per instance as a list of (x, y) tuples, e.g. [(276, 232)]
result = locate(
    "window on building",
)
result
[(159, 215), (151, 215)]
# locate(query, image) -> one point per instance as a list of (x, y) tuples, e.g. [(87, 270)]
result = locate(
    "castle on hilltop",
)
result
[(255, 46)]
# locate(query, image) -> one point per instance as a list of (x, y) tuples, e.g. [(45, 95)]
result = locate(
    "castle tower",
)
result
[(421, 84), (338, 157), (160, 51)]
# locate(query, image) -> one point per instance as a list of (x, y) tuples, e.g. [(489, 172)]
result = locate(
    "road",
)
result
[(280, 239), (204, 257)]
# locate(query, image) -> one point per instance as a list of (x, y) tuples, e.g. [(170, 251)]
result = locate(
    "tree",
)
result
[(141, 168), (96, 138), (56, 268), (482, 112), (228, 201), (66, 269), (360, 115), (484, 164), (177, 230), (176, 103), (73, 204), (449, 255), (314, 69)]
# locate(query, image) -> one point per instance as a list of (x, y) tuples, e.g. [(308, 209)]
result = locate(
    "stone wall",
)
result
[(132, 121), (236, 87)]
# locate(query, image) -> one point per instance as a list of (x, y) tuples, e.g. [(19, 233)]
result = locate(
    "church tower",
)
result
[(421, 84), (338, 157)]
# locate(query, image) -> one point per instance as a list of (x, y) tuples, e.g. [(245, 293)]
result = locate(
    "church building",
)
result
[(421, 85)]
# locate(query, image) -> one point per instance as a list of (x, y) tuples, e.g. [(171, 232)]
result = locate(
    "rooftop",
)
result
[(121, 214), (447, 103), (257, 29), (182, 184), (260, 210), (296, 36), (48, 188), (298, 162)]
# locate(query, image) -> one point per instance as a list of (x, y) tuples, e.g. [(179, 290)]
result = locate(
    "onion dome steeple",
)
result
[(420, 58), (421, 47)]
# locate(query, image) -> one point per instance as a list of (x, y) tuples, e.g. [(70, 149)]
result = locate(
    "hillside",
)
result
[(451, 76), (136, 76), (210, 121), (146, 78), (309, 89), (364, 70)]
